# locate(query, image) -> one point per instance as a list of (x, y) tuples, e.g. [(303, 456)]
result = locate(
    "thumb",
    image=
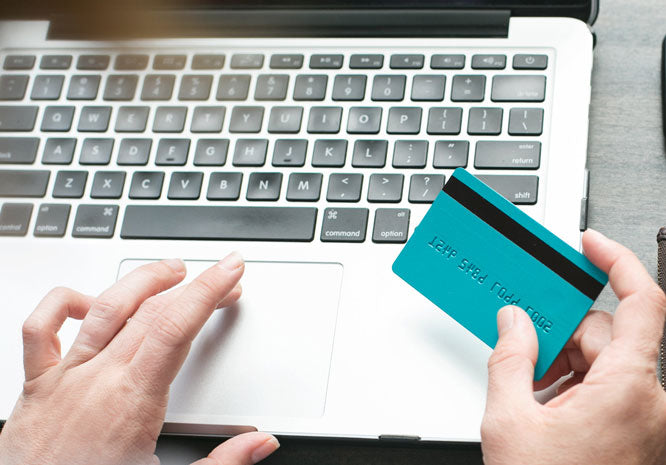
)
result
[(244, 449), (511, 366)]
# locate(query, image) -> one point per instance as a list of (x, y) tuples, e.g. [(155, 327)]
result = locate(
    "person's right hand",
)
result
[(613, 409)]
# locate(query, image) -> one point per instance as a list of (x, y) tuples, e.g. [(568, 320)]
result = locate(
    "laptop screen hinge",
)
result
[(285, 23)]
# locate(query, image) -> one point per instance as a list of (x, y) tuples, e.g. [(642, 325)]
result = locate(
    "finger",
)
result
[(114, 306), (165, 347), (568, 361), (245, 449), (593, 335), (41, 346)]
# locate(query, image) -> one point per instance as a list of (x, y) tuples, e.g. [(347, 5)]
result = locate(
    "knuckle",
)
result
[(172, 329), (206, 290), (33, 329), (104, 310)]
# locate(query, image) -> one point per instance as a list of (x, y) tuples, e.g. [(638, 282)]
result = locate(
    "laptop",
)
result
[(311, 137)]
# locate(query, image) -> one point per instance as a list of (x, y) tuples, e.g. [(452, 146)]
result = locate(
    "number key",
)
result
[(272, 87), (388, 88), (349, 87), (233, 87), (310, 87)]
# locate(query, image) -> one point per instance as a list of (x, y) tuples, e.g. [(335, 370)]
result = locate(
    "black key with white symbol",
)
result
[(451, 154), (93, 62), (294, 61), (57, 119), (507, 155), (271, 87), (264, 186), (366, 61), (95, 221), (172, 152), (47, 87), (233, 87), (146, 185), (134, 152), (410, 154), (530, 61), (404, 120), (424, 188), (208, 62), (170, 119), (489, 61), (326, 61), (208, 119), (310, 87), (289, 152), (120, 87), (108, 185), (364, 120), (18, 62), (195, 87), (246, 119), (70, 184), (132, 119), (211, 152), (519, 89), (96, 151), (329, 153), (59, 151), (170, 62), (247, 61), (250, 152), (13, 118), (83, 87), (23, 183), (485, 121), (131, 62), (13, 86), (470, 88), (94, 119), (55, 62), (521, 190), (224, 186), (185, 186), (304, 187), (52, 219), (444, 121), (18, 150), (369, 153), (285, 120), (344, 225), (428, 88), (391, 226), (325, 120), (407, 61), (344, 187), (158, 87), (349, 87), (526, 121), (447, 62), (15, 219), (385, 188), (388, 88)]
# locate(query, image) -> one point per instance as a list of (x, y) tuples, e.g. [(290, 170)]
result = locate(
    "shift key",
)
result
[(15, 118)]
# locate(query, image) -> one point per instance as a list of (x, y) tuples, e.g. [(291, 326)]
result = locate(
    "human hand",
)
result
[(104, 402), (613, 409)]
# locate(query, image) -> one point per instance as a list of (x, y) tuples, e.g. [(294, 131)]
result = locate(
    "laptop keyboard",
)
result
[(337, 147)]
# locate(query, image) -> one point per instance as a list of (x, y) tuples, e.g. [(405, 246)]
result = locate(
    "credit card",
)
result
[(475, 252)]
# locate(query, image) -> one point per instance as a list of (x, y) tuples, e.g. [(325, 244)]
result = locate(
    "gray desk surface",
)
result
[(628, 169)]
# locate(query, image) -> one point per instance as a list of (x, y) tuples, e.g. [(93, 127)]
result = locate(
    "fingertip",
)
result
[(177, 265), (232, 262), (265, 449)]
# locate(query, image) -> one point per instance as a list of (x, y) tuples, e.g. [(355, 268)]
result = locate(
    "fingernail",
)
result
[(176, 264), (504, 320), (232, 261), (265, 449)]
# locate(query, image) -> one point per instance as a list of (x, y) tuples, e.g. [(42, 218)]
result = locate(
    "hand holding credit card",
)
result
[(475, 252)]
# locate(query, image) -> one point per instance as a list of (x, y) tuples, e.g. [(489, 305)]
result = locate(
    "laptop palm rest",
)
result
[(268, 355)]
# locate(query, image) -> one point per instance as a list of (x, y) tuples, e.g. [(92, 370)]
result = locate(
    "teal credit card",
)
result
[(475, 252)]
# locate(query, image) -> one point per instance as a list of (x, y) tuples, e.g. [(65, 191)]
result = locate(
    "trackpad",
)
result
[(269, 354)]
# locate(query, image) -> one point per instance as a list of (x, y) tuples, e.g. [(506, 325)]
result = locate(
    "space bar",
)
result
[(219, 223)]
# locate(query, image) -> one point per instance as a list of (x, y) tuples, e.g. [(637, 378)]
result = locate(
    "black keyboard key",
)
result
[(365, 61), (519, 89), (325, 120), (388, 88), (211, 152), (349, 87), (294, 61), (310, 87), (364, 120), (385, 188), (55, 62), (51, 220), (407, 61), (391, 226), (195, 87), (521, 190), (169, 62), (246, 119), (250, 152), (219, 223), (428, 88), (485, 121), (404, 120), (264, 186), (489, 61), (13, 118), (108, 185), (96, 152), (83, 87), (134, 152), (23, 183), (131, 62), (93, 62), (59, 151), (132, 119), (285, 120), (271, 87), (447, 62), (158, 87), (15, 219), (170, 119), (146, 185), (18, 150), (224, 186), (370, 154), (95, 221), (13, 86), (19, 62), (329, 153), (445, 121), (94, 119), (344, 187), (326, 61), (233, 87), (120, 87), (208, 119), (185, 186), (470, 88), (70, 184), (410, 154), (451, 154), (47, 87), (247, 61), (526, 121), (207, 62), (507, 155), (58, 119), (288, 152), (424, 188), (530, 61), (304, 187), (344, 225), (172, 152)]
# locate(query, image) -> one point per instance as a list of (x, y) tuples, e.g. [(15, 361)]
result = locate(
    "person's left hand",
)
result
[(105, 401)]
